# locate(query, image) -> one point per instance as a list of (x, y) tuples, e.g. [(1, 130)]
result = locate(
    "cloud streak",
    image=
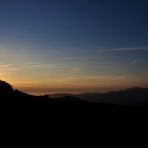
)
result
[(126, 49), (74, 58), (15, 67)]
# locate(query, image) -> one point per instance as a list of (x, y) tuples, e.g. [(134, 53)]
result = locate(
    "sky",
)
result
[(49, 46)]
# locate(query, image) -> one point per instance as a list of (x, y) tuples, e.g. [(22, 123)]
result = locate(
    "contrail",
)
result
[(135, 61)]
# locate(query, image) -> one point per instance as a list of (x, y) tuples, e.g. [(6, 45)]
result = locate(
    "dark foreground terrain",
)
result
[(15, 102)]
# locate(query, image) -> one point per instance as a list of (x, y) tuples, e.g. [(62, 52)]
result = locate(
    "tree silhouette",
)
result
[(5, 88)]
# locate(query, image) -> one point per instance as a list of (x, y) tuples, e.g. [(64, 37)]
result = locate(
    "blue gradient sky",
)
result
[(74, 45)]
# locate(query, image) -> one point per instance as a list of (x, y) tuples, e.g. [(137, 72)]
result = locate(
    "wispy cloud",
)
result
[(74, 58), (76, 69), (105, 77), (126, 49), (5, 65), (15, 67)]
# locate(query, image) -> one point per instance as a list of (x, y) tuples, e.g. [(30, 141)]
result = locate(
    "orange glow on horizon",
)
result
[(91, 83)]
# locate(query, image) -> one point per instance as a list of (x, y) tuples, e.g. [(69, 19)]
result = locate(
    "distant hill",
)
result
[(59, 95), (131, 96)]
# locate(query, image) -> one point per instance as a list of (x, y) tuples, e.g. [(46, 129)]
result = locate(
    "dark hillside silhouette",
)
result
[(5, 88), (16, 102)]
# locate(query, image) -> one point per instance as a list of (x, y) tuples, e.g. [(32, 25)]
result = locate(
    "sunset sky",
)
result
[(49, 46)]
